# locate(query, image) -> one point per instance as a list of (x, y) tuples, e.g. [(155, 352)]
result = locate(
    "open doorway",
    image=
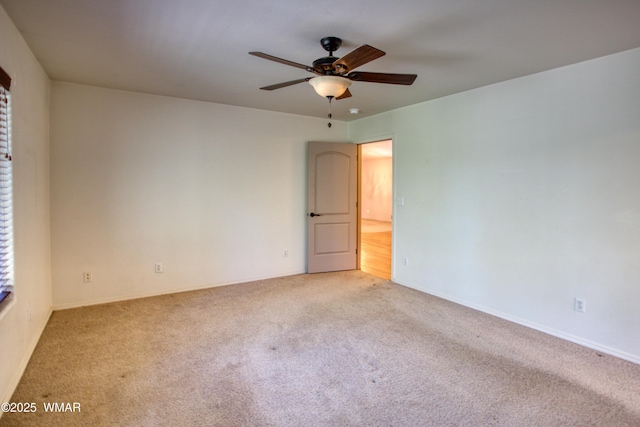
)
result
[(375, 207)]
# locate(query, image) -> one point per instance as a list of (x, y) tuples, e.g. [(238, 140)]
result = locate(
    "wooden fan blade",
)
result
[(356, 58), (281, 61), (285, 84), (394, 79), (346, 94)]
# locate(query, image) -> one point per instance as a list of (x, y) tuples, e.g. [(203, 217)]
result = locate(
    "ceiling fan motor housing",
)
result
[(325, 64)]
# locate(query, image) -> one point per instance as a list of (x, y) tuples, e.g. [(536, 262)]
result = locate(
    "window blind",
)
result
[(6, 208)]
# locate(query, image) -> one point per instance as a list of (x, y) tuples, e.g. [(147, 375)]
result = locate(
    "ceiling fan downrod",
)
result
[(331, 44)]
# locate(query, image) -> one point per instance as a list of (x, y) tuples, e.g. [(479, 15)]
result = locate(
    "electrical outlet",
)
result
[(580, 305), (405, 260), (285, 253), (86, 277), (159, 267)]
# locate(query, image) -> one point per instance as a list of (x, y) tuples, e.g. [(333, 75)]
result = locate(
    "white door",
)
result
[(331, 209)]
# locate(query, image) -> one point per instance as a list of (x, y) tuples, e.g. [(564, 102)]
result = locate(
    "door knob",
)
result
[(313, 214)]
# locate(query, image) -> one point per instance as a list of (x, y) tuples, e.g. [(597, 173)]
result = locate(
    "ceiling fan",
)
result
[(334, 75)]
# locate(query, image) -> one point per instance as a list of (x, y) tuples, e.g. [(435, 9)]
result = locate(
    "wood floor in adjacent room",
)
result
[(375, 247)]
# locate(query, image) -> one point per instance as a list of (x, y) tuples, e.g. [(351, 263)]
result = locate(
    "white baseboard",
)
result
[(25, 361), (118, 298), (542, 328)]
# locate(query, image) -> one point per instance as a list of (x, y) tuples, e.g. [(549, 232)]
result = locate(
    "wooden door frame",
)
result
[(359, 207), (359, 200)]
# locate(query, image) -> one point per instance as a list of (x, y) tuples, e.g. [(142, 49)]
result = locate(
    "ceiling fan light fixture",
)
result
[(330, 86)]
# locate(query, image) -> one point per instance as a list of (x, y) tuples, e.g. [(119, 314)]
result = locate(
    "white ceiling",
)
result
[(198, 49)]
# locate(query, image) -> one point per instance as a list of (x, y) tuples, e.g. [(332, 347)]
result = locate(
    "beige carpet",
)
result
[(337, 349)]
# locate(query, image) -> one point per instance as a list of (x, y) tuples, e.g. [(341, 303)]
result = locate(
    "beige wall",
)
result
[(523, 195), (214, 192), (22, 321), (376, 189)]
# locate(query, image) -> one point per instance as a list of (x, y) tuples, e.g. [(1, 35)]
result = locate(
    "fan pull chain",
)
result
[(330, 97)]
